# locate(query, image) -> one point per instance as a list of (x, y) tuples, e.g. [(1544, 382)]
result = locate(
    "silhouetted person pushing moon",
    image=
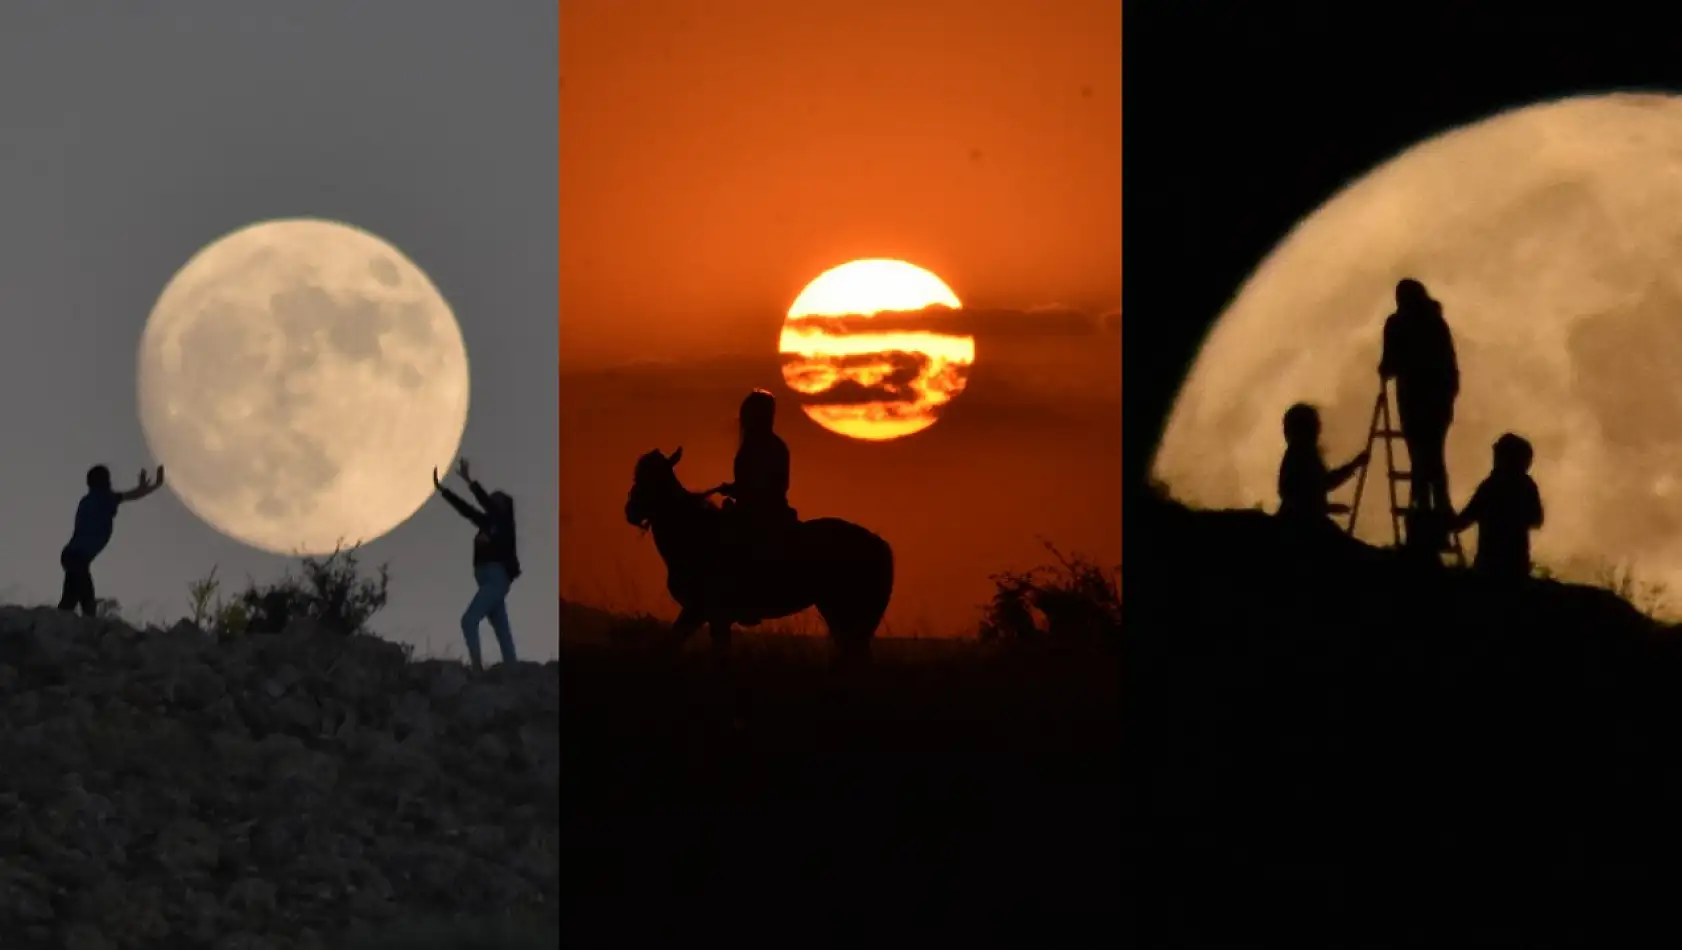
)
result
[(496, 563), (1419, 356), (96, 518)]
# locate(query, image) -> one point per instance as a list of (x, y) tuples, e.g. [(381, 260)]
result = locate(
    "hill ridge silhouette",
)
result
[(1338, 737)]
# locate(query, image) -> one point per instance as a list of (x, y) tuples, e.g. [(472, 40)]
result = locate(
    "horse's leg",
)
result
[(849, 640), (687, 622), (851, 651), (720, 632), (719, 658)]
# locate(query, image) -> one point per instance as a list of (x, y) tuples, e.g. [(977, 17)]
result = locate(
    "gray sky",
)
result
[(134, 134)]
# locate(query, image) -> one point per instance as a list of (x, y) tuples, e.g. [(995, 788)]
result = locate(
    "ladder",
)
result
[(1383, 427)]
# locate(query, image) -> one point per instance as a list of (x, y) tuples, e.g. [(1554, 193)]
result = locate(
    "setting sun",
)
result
[(874, 383), (871, 286)]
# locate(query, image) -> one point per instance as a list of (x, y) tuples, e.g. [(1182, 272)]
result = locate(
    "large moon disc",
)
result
[(299, 379), (872, 382), (1553, 237)]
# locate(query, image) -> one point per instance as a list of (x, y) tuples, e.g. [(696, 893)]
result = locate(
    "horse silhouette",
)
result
[(842, 569)]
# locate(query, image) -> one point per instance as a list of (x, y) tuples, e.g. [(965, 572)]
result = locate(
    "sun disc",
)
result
[(870, 286), (868, 383)]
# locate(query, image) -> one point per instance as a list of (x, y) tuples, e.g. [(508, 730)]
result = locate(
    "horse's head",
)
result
[(654, 487)]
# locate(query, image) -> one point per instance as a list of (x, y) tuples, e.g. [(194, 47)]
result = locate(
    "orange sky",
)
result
[(1015, 461), (717, 154)]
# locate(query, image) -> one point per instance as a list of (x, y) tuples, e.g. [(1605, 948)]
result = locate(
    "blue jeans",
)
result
[(490, 602)]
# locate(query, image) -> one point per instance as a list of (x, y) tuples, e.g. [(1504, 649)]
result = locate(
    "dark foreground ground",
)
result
[(947, 792), (1336, 748)]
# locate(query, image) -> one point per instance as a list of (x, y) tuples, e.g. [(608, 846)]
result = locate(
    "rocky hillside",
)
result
[(161, 789)]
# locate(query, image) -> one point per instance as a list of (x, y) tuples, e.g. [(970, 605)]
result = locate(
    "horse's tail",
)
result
[(879, 587), (852, 572)]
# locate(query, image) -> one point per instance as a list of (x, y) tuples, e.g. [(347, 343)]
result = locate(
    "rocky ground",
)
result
[(162, 789)]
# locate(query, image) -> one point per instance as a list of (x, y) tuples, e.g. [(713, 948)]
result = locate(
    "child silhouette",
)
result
[(1506, 507), (1304, 480)]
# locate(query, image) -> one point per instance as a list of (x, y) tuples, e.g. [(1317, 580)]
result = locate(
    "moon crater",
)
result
[(299, 379)]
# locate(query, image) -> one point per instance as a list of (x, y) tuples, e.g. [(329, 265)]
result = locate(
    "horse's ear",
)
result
[(675, 457)]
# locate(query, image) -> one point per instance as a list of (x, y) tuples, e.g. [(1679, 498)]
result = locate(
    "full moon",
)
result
[(299, 379), (874, 382), (1552, 235)]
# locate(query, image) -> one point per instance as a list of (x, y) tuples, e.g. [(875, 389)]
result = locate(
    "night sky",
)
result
[(1238, 126)]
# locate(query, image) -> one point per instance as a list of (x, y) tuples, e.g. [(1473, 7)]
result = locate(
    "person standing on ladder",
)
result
[(1419, 356)]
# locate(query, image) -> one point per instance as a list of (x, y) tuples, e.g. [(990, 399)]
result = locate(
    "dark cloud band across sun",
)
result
[(997, 323), (845, 362), (892, 374), (877, 395)]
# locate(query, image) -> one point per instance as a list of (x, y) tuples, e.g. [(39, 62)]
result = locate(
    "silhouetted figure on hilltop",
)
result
[(1419, 356), (96, 518), (1506, 507), (758, 514), (1304, 480), (496, 563)]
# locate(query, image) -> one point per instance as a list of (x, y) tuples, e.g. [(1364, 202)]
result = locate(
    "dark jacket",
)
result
[(495, 542), (1304, 482), (96, 515), (1419, 354), (1506, 507), (761, 475)]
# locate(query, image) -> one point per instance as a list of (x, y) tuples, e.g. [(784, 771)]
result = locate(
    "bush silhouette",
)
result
[(1069, 601), (331, 592)]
